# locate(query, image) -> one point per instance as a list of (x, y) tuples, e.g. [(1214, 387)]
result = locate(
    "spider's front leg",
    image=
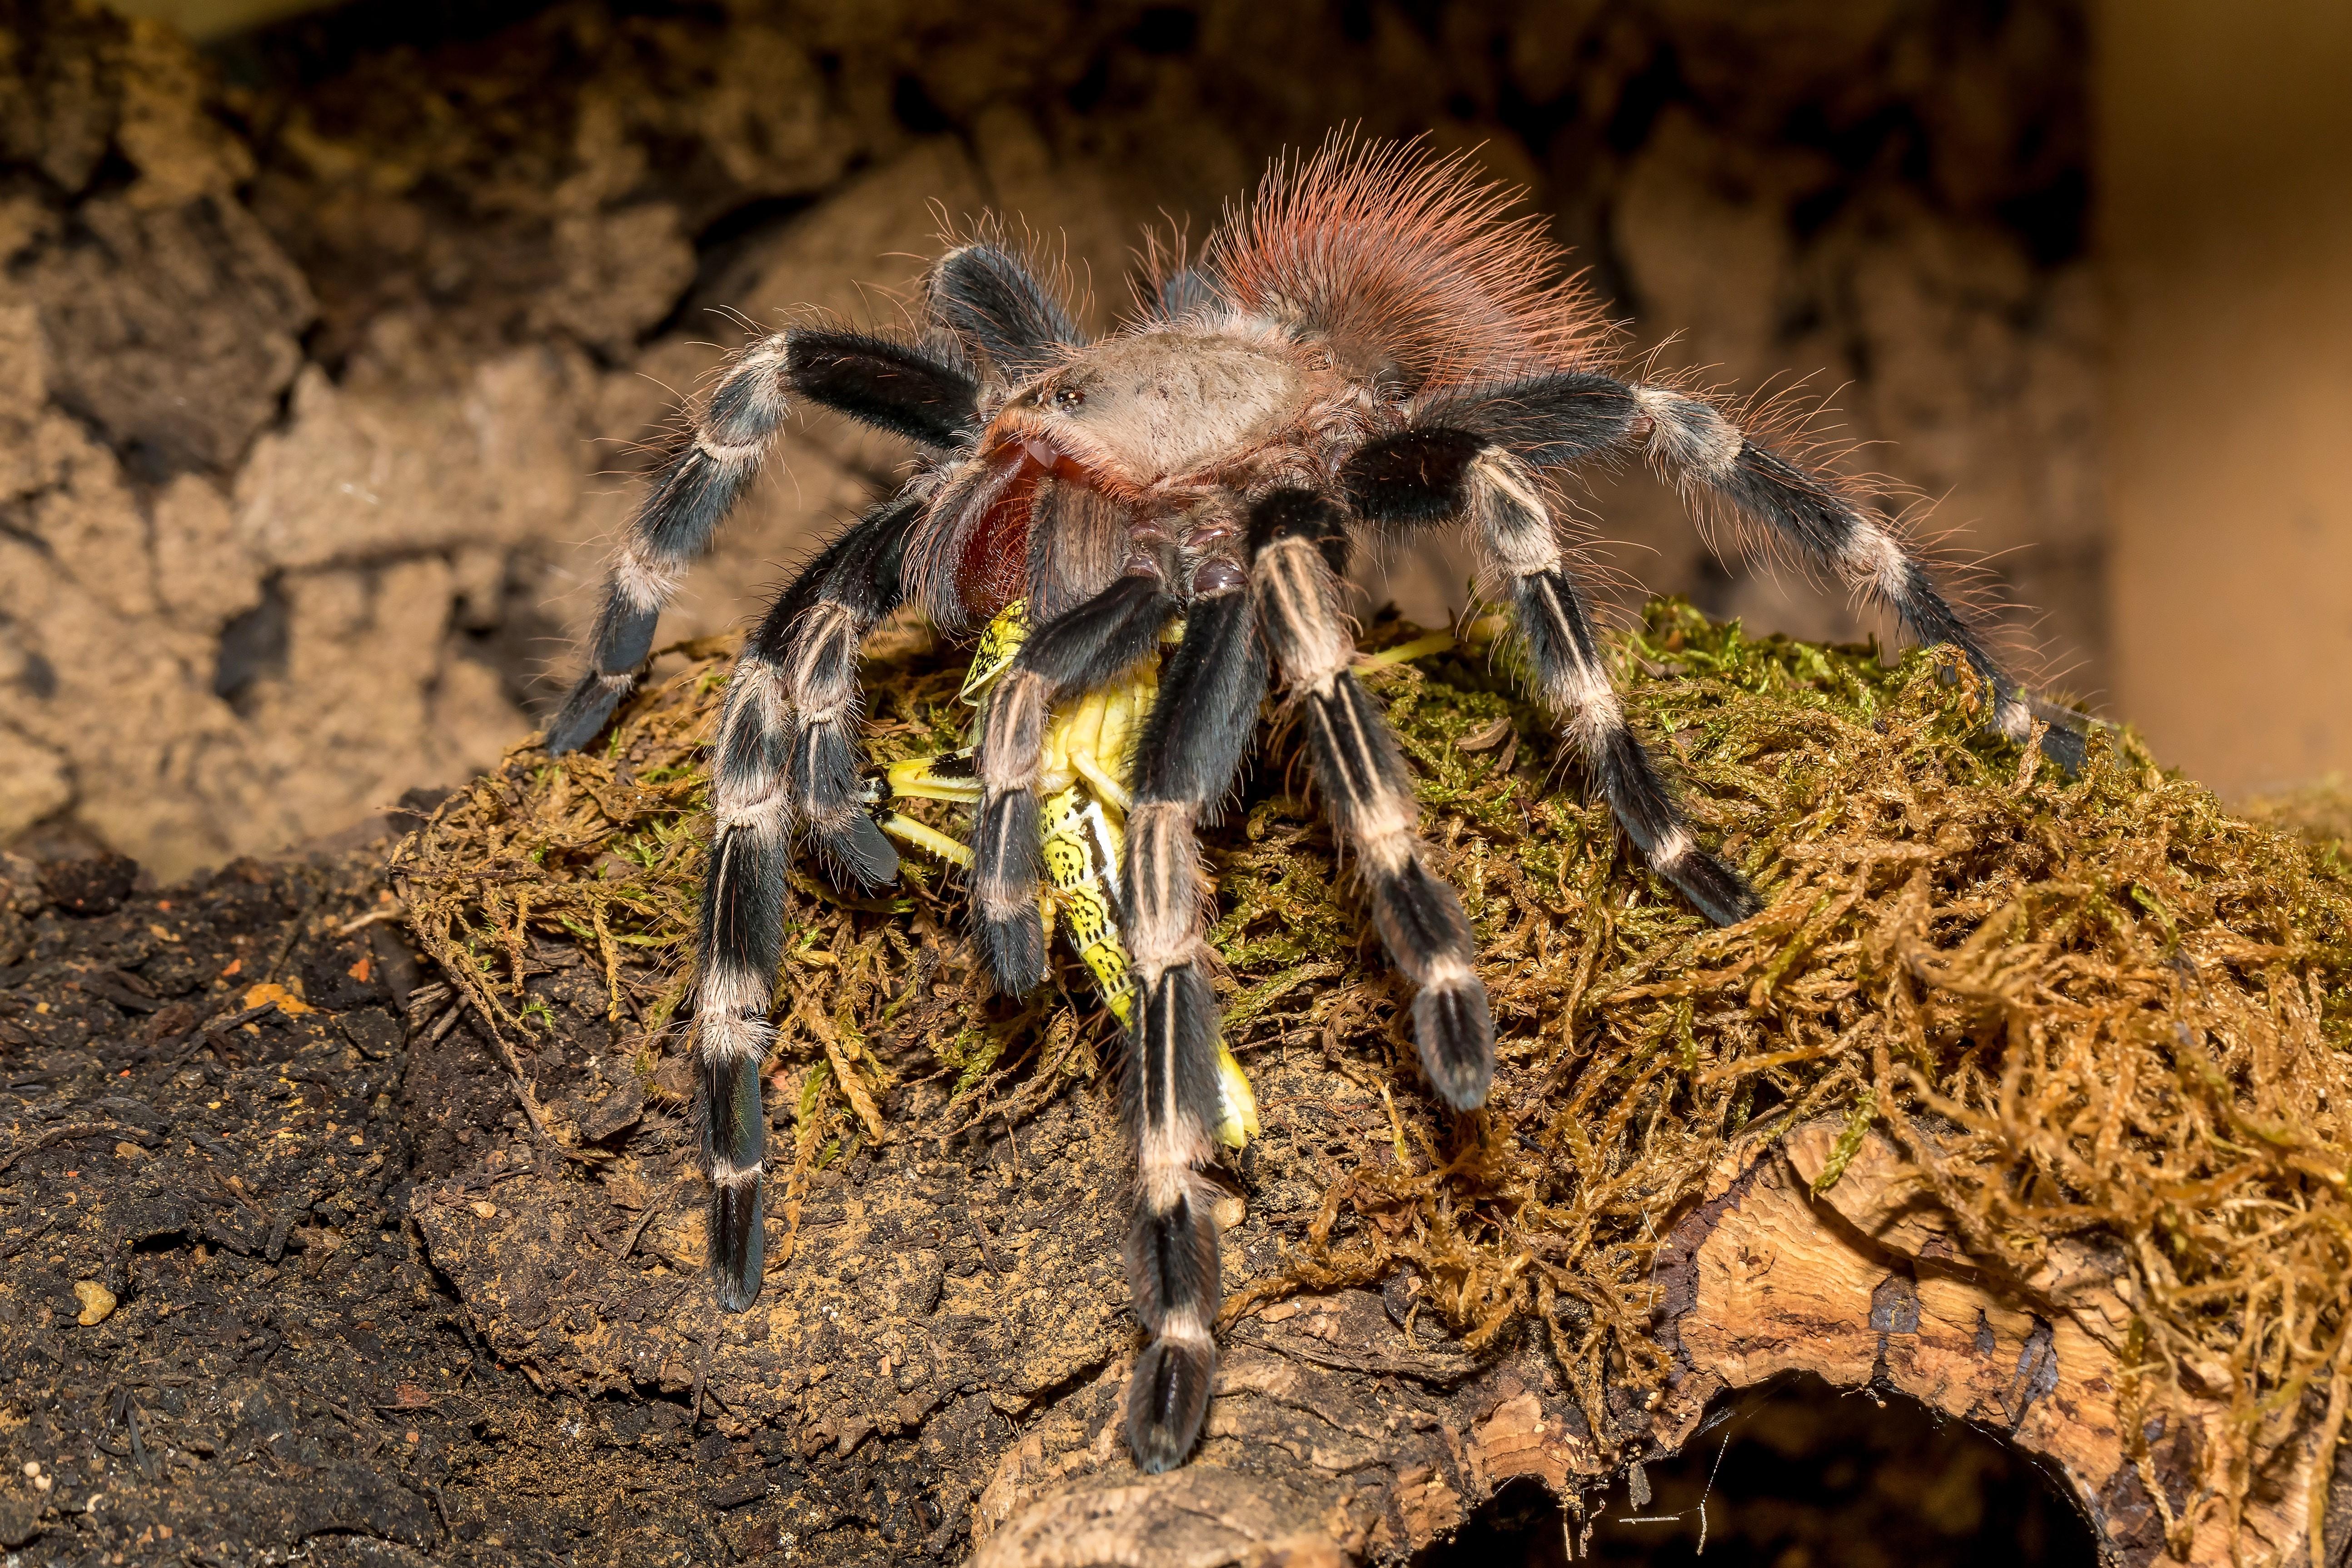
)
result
[(785, 760), (1300, 543), (1192, 746), (882, 383), (1077, 651), (1476, 459)]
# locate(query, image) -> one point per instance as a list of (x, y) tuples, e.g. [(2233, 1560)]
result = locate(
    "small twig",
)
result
[(652, 1212), (205, 1032), (373, 917), (42, 1229), (702, 1376), (425, 995), (980, 1236), (71, 1129), (293, 935), (523, 1097)]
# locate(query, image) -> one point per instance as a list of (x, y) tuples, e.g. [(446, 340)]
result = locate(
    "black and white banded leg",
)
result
[(1299, 542), (921, 395), (1515, 524), (1816, 514), (1192, 748), (785, 766), (1077, 651), (1475, 457)]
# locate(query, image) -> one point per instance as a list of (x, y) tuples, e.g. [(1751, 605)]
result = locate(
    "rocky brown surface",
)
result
[(325, 361)]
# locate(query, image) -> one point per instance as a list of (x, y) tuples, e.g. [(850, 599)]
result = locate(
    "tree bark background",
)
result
[(328, 360)]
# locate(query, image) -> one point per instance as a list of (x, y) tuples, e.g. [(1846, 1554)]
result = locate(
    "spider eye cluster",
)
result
[(1067, 397)]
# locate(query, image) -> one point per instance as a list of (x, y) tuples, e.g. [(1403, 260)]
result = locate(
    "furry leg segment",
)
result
[(1481, 463), (690, 495), (789, 729), (987, 297), (1075, 651), (1515, 526), (1557, 624), (1299, 544), (785, 758), (1192, 748), (1695, 445)]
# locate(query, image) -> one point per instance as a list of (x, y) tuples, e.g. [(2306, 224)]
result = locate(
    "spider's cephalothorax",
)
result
[(1372, 349)]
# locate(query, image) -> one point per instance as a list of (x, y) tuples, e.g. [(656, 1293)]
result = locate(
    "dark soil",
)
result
[(283, 1367), (285, 1373)]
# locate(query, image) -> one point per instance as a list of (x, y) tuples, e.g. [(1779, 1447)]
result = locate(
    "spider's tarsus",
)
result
[(1456, 1031), (1714, 888), (858, 852), (586, 711), (1168, 1402), (734, 1134), (1014, 947), (1008, 859), (737, 1247), (2068, 747)]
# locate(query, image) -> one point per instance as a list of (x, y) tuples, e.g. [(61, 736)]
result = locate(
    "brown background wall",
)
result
[(326, 360), (2225, 234)]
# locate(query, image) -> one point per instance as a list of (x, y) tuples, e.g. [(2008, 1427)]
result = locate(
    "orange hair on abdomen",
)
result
[(1408, 265)]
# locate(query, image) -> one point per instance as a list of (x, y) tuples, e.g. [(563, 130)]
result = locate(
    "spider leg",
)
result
[(1192, 747), (984, 295), (1817, 513), (1470, 466), (785, 758), (1080, 649), (1299, 543), (883, 383)]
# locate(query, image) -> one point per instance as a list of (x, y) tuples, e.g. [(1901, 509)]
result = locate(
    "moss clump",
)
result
[(2121, 1011)]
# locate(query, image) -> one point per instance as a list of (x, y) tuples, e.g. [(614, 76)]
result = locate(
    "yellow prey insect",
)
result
[(1087, 747)]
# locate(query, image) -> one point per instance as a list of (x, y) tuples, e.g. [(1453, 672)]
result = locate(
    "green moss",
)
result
[(2121, 1008)]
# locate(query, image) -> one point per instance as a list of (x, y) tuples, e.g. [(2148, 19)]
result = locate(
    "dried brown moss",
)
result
[(2123, 1014)]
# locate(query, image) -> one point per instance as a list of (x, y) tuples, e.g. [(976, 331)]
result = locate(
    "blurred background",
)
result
[(331, 339)]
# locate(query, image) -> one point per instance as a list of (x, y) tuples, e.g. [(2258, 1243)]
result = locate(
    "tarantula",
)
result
[(1372, 348)]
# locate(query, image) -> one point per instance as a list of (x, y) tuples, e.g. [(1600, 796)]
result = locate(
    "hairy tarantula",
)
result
[(1371, 349)]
